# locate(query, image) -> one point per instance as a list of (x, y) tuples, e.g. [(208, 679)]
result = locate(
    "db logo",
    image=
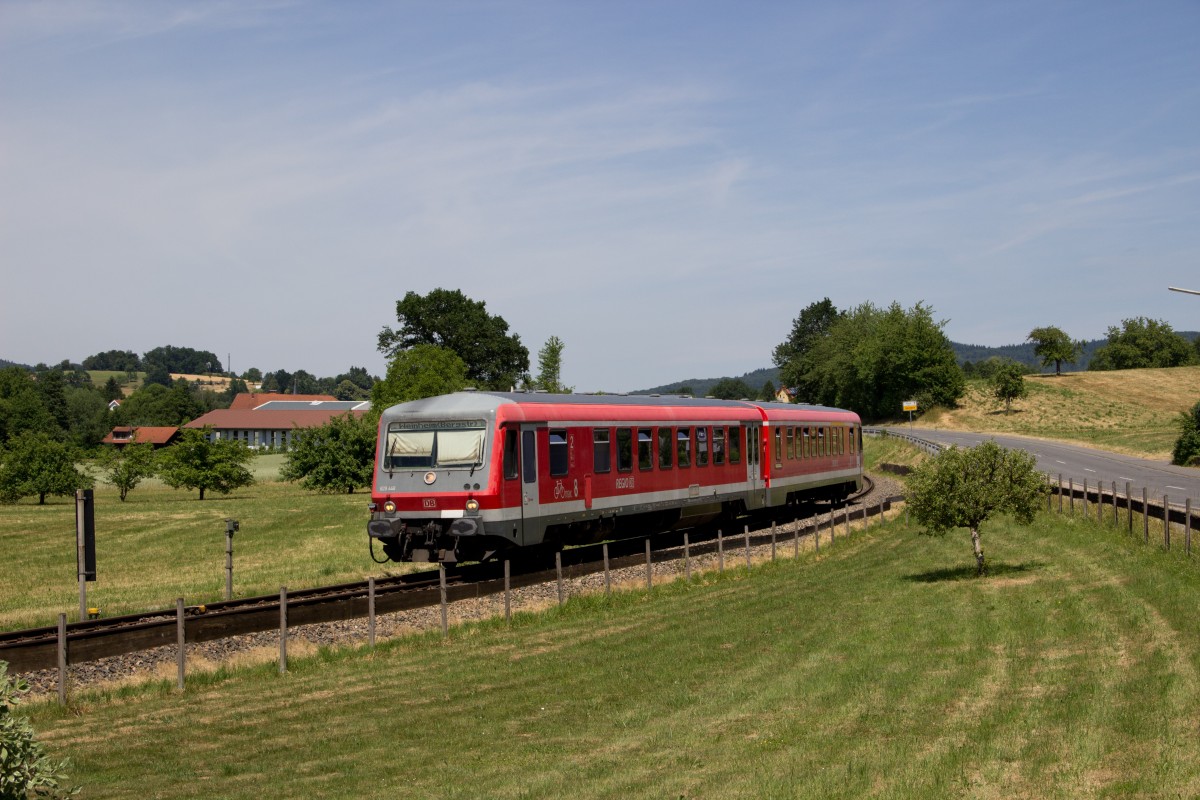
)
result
[(430, 502)]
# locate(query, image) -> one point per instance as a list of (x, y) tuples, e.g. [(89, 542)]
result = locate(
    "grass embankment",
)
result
[(1128, 411), (162, 543), (879, 668)]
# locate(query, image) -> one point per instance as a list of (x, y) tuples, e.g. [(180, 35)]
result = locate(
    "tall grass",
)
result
[(879, 668)]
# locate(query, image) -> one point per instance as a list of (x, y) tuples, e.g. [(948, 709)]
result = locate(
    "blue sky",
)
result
[(662, 185)]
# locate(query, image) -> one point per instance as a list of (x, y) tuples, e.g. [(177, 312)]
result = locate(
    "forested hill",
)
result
[(1021, 353)]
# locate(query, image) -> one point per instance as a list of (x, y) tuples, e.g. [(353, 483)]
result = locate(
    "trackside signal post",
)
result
[(85, 545), (231, 527)]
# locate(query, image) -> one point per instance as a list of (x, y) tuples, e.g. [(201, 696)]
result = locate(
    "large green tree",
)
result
[(36, 464), (495, 358), (195, 462), (424, 370), (338, 456), (1053, 346), (1143, 343), (963, 488), (874, 359), (793, 355)]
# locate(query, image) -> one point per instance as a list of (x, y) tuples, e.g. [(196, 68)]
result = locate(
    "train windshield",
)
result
[(422, 445)]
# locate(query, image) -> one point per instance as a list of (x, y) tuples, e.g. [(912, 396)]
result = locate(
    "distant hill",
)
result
[(1021, 353)]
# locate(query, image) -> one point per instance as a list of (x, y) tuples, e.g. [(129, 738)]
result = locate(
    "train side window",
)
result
[(666, 453), (779, 447), (791, 444), (718, 445), (510, 453), (735, 444), (558, 453), (701, 447), (824, 442), (601, 450), (528, 457), (683, 447), (645, 449), (624, 449)]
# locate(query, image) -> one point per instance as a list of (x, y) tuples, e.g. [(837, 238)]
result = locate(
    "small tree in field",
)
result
[(125, 468), (1008, 384), (36, 464), (338, 456), (196, 463), (963, 488)]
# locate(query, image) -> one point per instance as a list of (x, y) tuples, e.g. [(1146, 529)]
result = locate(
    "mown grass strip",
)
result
[(879, 668)]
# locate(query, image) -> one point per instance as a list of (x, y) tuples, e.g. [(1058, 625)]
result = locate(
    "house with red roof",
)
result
[(271, 420), (157, 436)]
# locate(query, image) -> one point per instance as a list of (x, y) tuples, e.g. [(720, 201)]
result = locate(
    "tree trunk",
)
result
[(41, 498), (201, 492), (980, 569)]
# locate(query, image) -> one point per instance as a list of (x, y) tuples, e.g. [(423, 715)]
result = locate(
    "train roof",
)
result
[(477, 402)]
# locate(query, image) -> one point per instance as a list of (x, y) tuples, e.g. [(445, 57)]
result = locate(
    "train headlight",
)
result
[(472, 505), (389, 506)]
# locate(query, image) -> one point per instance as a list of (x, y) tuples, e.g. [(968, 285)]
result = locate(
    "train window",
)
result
[(528, 457), (791, 443), (779, 447), (422, 445), (735, 445), (701, 447), (601, 450), (558, 453), (666, 453), (821, 442), (683, 447), (645, 449), (510, 453), (718, 446), (624, 449)]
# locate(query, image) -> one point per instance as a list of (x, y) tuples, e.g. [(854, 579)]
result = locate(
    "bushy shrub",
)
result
[(1187, 446), (25, 769)]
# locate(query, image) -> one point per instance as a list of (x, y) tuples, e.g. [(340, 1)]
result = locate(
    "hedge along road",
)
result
[(1081, 463)]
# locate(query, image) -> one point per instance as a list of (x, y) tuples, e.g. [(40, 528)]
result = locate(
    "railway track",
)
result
[(92, 640)]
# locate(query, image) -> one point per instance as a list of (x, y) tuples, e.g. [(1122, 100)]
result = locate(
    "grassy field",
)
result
[(1127, 411), (162, 543), (879, 669)]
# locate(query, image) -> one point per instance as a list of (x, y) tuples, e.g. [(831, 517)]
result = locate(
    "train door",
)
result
[(533, 525), (757, 496)]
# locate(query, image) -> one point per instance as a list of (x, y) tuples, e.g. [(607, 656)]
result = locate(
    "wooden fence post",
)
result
[(1071, 489), (720, 552), (607, 577), (772, 540), (1166, 523), (507, 591), (1116, 513), (687, 558), (747, 529), (371, 612), (1129, 506), (796, 537), (1146, 514), (558, 574), (1085, 498), (1187, 521), (62, 659), (442, 587), (282, 630), (1060, 493), (181, 641), (649, 571)]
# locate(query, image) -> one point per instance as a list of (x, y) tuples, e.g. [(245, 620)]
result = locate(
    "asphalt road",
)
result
[(1078, 463)]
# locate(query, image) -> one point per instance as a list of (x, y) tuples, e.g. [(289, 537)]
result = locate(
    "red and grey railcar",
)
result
[(469, 475)]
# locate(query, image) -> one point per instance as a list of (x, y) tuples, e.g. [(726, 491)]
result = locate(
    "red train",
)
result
[(468, 475)]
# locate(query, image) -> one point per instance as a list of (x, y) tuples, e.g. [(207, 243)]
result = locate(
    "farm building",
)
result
[(270, 420)]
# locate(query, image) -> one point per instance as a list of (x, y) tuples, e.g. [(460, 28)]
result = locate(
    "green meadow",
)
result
[(878, 668)]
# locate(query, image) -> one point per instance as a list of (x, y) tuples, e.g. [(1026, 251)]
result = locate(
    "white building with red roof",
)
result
[(271, 420)]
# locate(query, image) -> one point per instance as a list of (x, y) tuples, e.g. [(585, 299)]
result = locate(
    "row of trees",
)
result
[(1138, 343), (35, 465)]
